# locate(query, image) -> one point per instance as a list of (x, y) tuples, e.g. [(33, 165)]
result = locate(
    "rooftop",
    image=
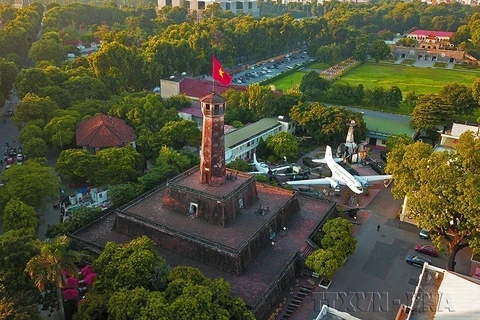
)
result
[(432, 33), (101, 131), (259, 275), (250, 131), (458, 129), (442, 294), (200, 88), (231, 237)]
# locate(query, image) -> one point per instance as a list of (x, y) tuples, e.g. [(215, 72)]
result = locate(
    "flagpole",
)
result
[(213, 80)]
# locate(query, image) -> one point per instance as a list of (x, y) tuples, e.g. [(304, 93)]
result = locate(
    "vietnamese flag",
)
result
[(219, 73)]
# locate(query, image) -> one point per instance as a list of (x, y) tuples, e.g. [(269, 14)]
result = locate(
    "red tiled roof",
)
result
[(73, 43), (432, 33), (102, 131), (201, 88)]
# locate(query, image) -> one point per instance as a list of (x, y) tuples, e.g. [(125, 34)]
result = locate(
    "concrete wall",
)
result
[(440, 55), (169, 88)]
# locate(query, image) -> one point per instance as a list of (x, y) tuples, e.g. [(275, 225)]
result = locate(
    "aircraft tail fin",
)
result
[(328, 153), (255, 158)]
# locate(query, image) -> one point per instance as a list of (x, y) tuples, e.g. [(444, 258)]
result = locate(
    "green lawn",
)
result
[(408, 61), (289, 80), (319, 66), (407, 78)]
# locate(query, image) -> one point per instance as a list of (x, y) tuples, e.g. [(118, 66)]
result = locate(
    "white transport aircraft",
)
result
[(340, 176), (263, 168)]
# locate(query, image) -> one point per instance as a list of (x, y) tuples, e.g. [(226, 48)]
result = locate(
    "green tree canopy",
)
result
[(18, 215), (34, 109), (131, 265), (32, 183), (117, 165), (431, 112), (18, 293), (77, 165), (284, 144), (324, 262), (460, 97), (441, 189)]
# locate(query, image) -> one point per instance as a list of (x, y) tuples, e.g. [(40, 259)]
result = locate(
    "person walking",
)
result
[(378, 228)]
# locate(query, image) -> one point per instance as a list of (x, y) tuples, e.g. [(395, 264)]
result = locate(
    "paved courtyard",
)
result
[(375, 280)]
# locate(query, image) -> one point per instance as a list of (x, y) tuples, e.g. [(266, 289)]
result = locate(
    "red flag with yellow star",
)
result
[(219, 73)]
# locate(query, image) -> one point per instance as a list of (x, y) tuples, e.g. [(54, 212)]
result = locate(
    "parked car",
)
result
[(426, 249), (424, 234), (417, 261)]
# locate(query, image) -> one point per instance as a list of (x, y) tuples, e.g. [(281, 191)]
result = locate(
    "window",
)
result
[(216, 107), (240, 203), (250, 5), (239, 5), (201, 5), (207, 106), (227, 6)]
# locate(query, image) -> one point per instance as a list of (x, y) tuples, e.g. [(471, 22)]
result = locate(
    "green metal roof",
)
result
[(388, 126), (247, 132)]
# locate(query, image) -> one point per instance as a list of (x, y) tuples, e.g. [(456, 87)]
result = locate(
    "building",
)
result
[(430, 35), (450, 138), (221, 221), (328, 313), (101, 132), (236, 6), (442, 294), (242, 143), (431, 46), (194, 89)]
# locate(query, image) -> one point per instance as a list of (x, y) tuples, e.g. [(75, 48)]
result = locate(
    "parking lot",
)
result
[(262, 71)]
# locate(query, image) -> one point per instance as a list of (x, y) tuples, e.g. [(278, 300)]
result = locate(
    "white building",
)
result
[(243, 142), (235, 6), (443, 294)]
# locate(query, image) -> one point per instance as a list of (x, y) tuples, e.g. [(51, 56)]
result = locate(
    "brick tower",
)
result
[(212, 162)]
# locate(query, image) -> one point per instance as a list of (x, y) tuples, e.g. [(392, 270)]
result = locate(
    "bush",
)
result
[(123, 193), (77, 220)]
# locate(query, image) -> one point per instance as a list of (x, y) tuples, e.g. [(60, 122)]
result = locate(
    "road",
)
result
[(9, 132)]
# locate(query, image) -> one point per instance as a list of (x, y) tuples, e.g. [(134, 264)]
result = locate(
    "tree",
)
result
[(338, 237), (61, 130), (118, 66), (77, 165), (393, 97), (31, 80), (122, 193), (441, 188), (29, 132), (18, 291), (117, 165), (169, 163), (178, 134), (86, 87), (33, 183), (284, 144), (8, 72), (313, 85), (35, 148), (410, 100), (262, 150), (49, 266), (34, 109), (379, 50), (47, 50), (324, 262), (328, 124), (430, 113), (19, 215), (239, 165), (460, 97), (131, 265)]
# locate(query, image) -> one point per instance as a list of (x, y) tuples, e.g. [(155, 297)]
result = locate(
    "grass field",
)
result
[(407, 78), (288, 81)]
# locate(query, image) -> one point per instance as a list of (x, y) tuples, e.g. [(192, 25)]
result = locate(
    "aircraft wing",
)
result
[(256, 172), (323, 181), (374, 178), (280, 169), (324, 161)]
